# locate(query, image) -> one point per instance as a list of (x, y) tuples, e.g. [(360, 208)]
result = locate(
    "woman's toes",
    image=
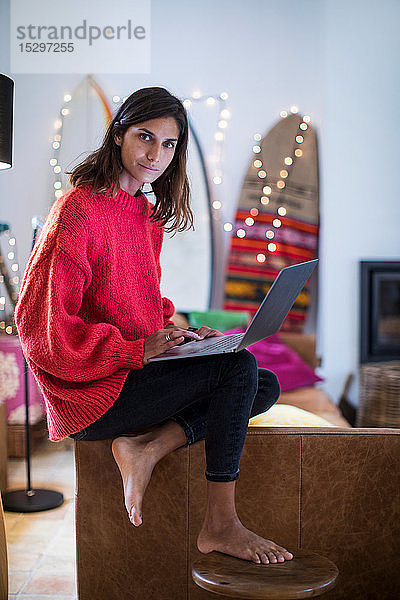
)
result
[(135, 517), (280, 557), (272, 557), (264, 559), (286, 554), (255, 558)]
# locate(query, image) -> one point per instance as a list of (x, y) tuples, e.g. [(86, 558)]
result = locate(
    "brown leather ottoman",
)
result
[(332, 491)]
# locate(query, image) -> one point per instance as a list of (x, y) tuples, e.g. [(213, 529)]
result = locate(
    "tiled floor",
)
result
[(41, 546)]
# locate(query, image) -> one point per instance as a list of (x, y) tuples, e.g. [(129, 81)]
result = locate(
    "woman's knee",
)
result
[(268, 392), (249, 365), (239, 365)]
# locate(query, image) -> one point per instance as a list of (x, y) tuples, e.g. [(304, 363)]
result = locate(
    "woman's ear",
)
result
[(117, 139)]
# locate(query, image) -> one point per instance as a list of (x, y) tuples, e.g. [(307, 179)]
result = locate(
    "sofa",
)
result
[(331, 490)]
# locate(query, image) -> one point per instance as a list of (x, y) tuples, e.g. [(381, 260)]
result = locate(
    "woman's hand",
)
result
[(164, 339), (206, 332)]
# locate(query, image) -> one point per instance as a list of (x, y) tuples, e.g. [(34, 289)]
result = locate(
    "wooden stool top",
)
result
[(305, 576)]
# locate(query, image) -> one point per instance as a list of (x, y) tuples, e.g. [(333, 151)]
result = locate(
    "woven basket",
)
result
[(379, 395)]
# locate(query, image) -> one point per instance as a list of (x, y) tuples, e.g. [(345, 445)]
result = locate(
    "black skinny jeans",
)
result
[(211, 397)]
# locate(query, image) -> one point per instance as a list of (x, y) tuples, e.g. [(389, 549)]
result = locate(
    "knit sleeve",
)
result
[(55, 338)]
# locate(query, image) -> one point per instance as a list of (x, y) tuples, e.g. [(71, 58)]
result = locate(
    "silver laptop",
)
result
[(267, 320)]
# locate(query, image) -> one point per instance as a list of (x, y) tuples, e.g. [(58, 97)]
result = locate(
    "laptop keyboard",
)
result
[(217, 343)]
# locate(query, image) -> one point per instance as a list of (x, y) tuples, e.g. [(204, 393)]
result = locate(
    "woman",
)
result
[(90, 315)]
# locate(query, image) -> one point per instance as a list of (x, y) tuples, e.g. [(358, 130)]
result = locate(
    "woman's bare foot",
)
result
[(236, 540), (136, 457), (136, 463)]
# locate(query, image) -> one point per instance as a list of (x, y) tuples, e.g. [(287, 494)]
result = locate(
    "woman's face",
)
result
[(147, 149)]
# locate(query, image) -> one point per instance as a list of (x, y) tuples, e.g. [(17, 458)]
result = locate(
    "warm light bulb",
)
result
[(218, 136), (53, 161), (276, 223), (57, 124), (241, 233), (228, 226), (288, 160), (56, 145), (282, 211), (267, 190), (116, 98), (196, 95), (254, 212), (299, 139), (217, 204), (249, 221), (187, 103), (222, 124), (257, 137), (262, 174), (280, 184), (264, 200), (256, 149), (57, 169), (67, 98), (298, 152), (225, 113), (224, 96), (283, 114), (261, 258), (272, 247), (283, 173), (294, 110), (210, 101), (58, 193), (12, 241), (57, 185), (257, 163), (303, 126), (306, 119), (65, 111), (269, 234), (217, 180)]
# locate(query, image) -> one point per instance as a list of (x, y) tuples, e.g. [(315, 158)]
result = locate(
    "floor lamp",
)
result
[(30, 499)]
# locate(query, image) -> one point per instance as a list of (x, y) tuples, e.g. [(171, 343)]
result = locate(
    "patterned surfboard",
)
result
[(277, 218)]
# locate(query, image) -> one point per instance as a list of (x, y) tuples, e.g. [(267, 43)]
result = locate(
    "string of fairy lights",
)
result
[(268, 186), (224, 114), (11, 285)]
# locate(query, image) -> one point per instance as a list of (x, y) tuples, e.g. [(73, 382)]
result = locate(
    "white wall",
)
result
[(360, 134), (337, 61)]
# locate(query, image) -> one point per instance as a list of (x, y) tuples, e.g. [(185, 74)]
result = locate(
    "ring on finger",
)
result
[(167, 337)]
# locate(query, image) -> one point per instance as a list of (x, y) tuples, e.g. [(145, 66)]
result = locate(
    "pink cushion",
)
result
[(287, 365)]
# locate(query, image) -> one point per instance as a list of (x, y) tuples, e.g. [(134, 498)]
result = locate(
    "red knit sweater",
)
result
[(89, 297)]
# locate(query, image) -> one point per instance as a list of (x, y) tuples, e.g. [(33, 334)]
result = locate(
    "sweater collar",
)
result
[(136, 204)]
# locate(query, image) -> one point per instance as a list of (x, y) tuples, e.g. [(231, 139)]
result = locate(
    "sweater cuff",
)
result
[(131, 354)]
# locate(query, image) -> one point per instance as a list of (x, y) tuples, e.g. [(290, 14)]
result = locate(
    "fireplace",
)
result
[(380, 311)]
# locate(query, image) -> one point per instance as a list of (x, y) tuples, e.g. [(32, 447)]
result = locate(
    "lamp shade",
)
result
[(6, 120)]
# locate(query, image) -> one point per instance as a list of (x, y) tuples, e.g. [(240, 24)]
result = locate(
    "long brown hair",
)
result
[(102, 168)]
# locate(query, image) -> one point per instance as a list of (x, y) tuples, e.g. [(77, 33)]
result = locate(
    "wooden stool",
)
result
[(305, 576)]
